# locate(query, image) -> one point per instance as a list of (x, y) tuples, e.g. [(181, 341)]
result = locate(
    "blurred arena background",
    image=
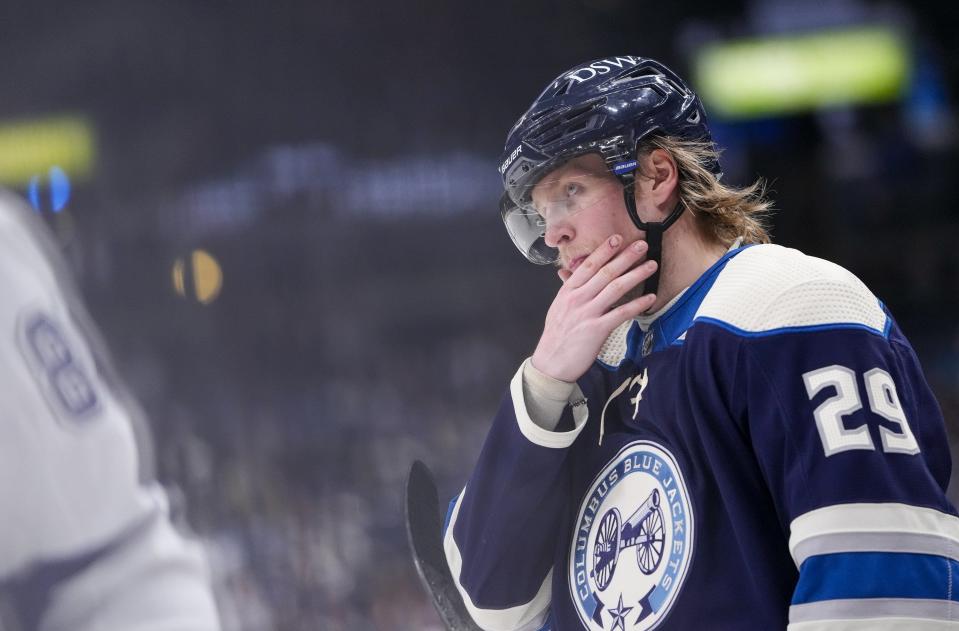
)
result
[(283, 216)]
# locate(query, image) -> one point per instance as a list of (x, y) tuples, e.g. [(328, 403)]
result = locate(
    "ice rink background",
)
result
[(337, 164)]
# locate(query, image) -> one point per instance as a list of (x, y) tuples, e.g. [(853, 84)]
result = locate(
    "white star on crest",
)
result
[(619, 615)]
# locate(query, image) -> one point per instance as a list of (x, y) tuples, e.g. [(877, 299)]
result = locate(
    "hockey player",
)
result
[(86, 542), (713, 432)]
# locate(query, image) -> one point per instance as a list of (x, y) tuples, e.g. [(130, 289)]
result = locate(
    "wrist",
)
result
[(546, 385), (545, 369)]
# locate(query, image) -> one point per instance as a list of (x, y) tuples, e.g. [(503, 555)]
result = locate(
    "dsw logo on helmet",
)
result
[(601, 67)]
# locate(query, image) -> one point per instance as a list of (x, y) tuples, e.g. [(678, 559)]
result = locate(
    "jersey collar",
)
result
[(668, 326)]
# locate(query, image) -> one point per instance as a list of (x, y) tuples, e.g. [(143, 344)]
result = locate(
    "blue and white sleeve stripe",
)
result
[(530, 616), (875, 566)]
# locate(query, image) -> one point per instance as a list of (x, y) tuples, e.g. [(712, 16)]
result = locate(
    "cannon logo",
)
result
[(633, 541)]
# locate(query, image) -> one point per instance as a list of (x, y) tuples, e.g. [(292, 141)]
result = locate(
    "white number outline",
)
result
[(883, 401)]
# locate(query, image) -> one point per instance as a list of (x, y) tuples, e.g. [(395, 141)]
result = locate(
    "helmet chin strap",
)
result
[(654, 235)]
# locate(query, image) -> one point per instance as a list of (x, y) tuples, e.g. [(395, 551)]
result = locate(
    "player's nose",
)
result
[(558, 232)]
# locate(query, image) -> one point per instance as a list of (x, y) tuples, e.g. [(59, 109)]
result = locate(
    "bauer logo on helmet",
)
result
[(508, 161)]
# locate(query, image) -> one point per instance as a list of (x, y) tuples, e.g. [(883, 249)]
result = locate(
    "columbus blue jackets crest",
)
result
[(633, 541)]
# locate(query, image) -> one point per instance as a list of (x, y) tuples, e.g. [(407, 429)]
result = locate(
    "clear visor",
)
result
[(528, 232), (549, 202)]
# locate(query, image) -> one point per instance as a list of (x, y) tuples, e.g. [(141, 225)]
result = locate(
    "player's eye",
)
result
[(572, 188)]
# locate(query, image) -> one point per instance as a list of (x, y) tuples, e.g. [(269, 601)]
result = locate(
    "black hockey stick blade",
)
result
[(424, 530)]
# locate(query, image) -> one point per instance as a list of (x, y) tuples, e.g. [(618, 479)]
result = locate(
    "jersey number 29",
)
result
[(883, 400)]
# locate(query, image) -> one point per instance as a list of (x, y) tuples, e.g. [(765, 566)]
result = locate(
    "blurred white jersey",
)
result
[(85, 543)]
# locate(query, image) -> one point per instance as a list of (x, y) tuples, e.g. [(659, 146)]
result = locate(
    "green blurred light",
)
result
[(784, 75)]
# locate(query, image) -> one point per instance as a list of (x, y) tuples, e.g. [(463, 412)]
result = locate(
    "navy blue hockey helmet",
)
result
[(607, 107)]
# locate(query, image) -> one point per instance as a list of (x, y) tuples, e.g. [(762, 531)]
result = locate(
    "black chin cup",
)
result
[(654, 229)]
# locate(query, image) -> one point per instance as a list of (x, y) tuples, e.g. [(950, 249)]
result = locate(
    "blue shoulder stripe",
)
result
[(838, 326), (851, 575)]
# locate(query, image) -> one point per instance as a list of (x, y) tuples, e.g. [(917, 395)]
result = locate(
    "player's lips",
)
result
[(575, 263)]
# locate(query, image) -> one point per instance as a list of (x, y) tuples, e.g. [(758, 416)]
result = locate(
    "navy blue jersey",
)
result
[(767, 453)]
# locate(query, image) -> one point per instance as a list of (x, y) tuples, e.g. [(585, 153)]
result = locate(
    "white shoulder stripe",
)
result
[(528, 617), (533, 432), (769, 287), (920, 530)]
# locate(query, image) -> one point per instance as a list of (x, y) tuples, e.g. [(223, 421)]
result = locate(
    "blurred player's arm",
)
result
[(86, 542)]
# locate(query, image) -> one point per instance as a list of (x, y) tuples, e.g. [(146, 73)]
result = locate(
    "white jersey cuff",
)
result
[(541, 434)]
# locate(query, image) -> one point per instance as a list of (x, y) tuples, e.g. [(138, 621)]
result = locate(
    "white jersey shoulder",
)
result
[(79, 524), (28, 270), (68, 457), (768, 288)]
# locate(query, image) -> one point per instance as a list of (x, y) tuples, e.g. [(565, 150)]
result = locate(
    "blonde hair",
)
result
[(724, 213)]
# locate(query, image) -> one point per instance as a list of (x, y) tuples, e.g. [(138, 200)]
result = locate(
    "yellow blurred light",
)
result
[(782, 75), (203, 273), (178, 285), (32, 146), (207, 277)]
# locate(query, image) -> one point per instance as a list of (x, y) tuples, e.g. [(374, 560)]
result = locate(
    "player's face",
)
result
[(582, 205)]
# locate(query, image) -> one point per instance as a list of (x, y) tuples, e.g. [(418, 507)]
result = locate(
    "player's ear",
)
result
[(657, 178), (660, 166)]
